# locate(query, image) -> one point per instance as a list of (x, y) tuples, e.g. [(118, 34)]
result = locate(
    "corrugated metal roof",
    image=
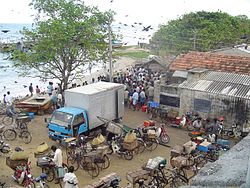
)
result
[(222, 83)]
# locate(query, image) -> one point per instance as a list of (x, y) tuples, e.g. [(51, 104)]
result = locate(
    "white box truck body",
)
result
[(103, 99)]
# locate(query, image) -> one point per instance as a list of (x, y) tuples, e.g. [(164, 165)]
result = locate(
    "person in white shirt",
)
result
[(57, 160), (70, 179), (142, 97), (9, 105), (135, 98), (8, 99)]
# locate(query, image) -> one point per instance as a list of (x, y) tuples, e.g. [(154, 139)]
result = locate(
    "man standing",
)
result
[(150, 93), (70, 179), (9, 104), (31, 89), (57, 160), (54, 98), (142, 97), (37, 90), (50, 88), (135, 98), (126, 97)]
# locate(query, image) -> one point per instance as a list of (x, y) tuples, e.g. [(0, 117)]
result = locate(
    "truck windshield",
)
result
[(61, 119)]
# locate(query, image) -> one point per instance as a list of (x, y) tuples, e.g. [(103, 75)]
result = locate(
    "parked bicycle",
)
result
[(151, 143), (10, 117), (19, 129), (115, 146), (48, 167)]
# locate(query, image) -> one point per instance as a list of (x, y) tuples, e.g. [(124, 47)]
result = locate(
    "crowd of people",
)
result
[(139, 86)]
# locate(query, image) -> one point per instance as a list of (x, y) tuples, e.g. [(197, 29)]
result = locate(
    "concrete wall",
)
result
[(232, 169), (231, 108)]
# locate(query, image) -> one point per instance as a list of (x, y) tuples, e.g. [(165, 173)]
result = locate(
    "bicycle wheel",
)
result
[(128, 155), (70, 151), (26, 136), (50, 173), (164, 138), (29, 184), (140, 148), (10, 134), (72, 161), (7, 120), (105, 162), (92, 169), (151, 144)]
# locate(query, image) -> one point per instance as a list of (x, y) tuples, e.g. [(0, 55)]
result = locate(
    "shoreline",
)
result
[(120, 65)]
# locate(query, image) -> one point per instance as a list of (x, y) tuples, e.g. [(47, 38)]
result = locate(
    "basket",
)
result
[(134, 176), (130, 146), (42, 162), (151, 134), (179, 162), (13, 164), (91, 156), (42, 154), (102, 149), (176, 151)]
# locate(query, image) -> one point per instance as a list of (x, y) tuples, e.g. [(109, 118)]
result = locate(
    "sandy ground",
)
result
[(119, 165)]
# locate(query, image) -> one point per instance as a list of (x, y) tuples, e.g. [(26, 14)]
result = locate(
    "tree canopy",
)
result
[(67, 36), (201, 31)]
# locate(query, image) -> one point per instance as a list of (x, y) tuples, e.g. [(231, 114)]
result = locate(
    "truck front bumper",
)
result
[(58, 138)]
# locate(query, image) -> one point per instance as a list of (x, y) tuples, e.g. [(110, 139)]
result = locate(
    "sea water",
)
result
[(19, 86)]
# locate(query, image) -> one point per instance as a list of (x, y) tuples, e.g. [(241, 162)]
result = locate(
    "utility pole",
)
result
[(110, 55), (194, 38)]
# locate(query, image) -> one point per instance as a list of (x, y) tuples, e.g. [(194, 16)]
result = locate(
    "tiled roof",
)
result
[(230, 84), (212, 61)]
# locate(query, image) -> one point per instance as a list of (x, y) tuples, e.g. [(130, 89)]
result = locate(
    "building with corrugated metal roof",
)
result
[(210, 93)]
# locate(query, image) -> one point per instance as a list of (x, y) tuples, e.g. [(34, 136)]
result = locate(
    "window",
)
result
[(202, 105), (79, 119), (170, 101), (61, 119)]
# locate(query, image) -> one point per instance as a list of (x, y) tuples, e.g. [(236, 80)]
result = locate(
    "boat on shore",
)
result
[(36, 104), (117, 44)]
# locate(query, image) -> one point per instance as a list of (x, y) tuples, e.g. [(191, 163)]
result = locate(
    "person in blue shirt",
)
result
[(50, 88)]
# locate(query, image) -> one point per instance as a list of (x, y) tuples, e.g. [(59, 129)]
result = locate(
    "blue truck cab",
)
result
[(67, 122)]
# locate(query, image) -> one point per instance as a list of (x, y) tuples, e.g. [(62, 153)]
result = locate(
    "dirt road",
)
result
[(119, 165)]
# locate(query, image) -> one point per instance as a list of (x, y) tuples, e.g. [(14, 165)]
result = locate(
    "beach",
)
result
[(18, 85)]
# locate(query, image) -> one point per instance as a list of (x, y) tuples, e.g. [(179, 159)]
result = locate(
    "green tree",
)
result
[(200, 31), (66, 39)]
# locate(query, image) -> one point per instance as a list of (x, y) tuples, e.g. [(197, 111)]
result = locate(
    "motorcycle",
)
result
[(162, 135), (41, 181), (185, 121), (116, 147), (23, 176), (4, 148)]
